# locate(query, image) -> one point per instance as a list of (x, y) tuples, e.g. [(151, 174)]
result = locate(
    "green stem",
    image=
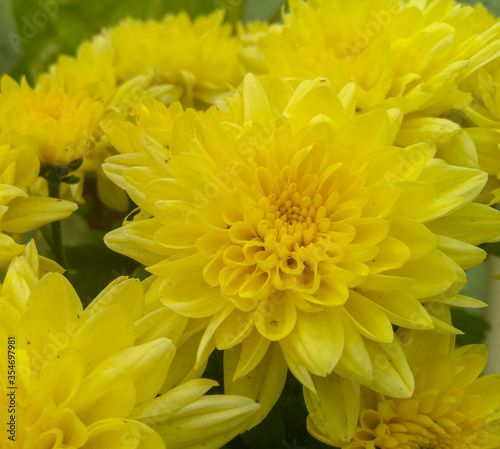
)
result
[(57, 240)]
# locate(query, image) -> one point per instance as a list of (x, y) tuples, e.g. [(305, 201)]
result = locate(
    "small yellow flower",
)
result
[(58, 127), (90, 71), (451, 407), (295, 229), (92, 378), (169, 60), (194, 61)]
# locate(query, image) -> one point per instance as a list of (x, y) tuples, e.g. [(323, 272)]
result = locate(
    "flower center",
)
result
[(49, 106), (293, 219)]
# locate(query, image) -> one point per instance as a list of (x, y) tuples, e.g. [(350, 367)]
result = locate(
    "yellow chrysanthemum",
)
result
[(171, 59), (451, 407), (408, 54), (91, 378), (90, 71), (288, 219), (58, 127), (19, 210), (175, 58)]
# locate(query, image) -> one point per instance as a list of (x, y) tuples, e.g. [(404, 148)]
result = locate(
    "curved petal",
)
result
[(276, 316)]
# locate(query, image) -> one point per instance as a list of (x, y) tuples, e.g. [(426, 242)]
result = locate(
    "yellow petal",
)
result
[(62, 376), (369, 319), (145, 364), (27, 214), (234, 329), (208, 423), (402, 309), (316, 341), (391, 374), (104, 333), (263, 384), (355, 360), (464, 254), (127, 292), (253, 348), (414, 235), (473, 223), (116, 433), (335, 408), (276, 316), (433, 275), (8, 249), (162, 407)]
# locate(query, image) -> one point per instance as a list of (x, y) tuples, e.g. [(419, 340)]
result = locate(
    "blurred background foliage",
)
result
[(32, 35)]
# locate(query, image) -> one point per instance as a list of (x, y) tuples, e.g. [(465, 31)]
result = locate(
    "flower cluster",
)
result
[(304, 196)]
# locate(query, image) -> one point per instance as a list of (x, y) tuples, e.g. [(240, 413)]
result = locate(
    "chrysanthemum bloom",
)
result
[(451, 407), (19, 210), (171, 59), (91, 70), (174, 58), (287, 219), (82, 379), (58, 127), (410, 55)]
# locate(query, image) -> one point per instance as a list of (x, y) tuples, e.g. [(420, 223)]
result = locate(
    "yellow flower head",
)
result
[(288, 219), (407, 54), (91, 71), (194, 61), (95, 377), (58, 127), (451, 407)]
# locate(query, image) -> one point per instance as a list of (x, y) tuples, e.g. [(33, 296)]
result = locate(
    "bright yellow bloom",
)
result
[(175, 58), (288, 219), (91, 378), (171, 59), (451, 407), (407, 54), (46, 120), (90, 71)]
